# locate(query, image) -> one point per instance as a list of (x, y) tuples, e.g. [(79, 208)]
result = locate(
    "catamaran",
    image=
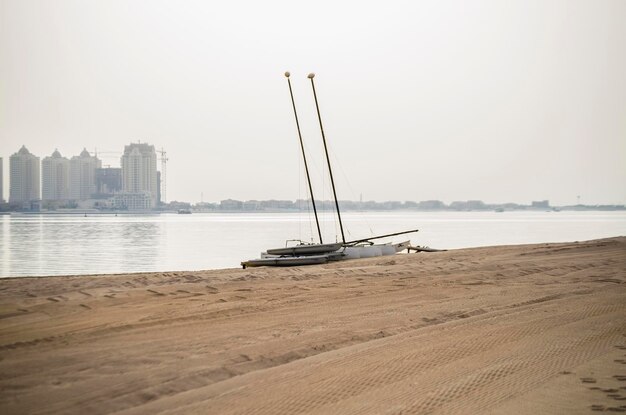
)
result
[(316, 253)]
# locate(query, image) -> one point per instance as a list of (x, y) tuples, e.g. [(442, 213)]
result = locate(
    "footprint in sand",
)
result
[(241, 359), (587, 380), (156, 293), (191, 278), (616, 396)]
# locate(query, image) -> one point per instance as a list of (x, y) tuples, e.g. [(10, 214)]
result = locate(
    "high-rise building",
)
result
[(108, 181), (139, 171), (24, 177), (1, 182), (55, 177), (83, 175)]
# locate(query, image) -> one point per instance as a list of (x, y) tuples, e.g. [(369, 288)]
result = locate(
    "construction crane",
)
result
[(164, 159)]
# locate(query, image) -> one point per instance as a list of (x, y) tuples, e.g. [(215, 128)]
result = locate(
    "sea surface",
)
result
[(45, 244)]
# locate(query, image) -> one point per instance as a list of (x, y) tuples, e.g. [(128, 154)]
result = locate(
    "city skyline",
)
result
[(511, 101), (94, 189), (81, 181)]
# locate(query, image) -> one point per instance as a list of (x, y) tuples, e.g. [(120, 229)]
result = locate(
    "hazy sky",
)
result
[(451, 100)]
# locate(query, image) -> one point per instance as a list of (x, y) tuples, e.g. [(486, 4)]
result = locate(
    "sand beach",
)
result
[(528, 329)]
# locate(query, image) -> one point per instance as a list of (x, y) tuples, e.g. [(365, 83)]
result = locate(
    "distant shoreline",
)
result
[(555, 209)]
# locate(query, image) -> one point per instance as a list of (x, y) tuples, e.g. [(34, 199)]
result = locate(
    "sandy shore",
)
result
[(502, 330)]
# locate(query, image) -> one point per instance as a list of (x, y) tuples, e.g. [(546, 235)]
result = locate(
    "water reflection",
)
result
[(45, 245), (66, 244)]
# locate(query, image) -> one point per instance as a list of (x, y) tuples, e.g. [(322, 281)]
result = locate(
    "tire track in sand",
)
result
[(393, 363)]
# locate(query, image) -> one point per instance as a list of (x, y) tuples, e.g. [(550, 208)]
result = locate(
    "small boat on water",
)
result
[(184, 211)]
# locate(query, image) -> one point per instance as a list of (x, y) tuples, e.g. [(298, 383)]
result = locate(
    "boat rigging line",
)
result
[(379, 237), (306, 167), (330, 171), (332, 181), (308, 254)]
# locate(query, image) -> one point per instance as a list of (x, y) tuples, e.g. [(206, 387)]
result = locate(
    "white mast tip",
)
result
[(311, 75), (287, 74)]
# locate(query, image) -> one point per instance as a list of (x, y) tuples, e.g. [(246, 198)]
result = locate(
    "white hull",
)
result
[(369, 251), (401, 246)]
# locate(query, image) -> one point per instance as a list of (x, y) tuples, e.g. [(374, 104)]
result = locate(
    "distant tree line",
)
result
[(232, 205)]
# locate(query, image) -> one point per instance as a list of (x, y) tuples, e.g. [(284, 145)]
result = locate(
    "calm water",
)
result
[(72, 244)]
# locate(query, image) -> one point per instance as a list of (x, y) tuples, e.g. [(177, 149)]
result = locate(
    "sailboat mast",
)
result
[(332, 181), (306, 167)]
